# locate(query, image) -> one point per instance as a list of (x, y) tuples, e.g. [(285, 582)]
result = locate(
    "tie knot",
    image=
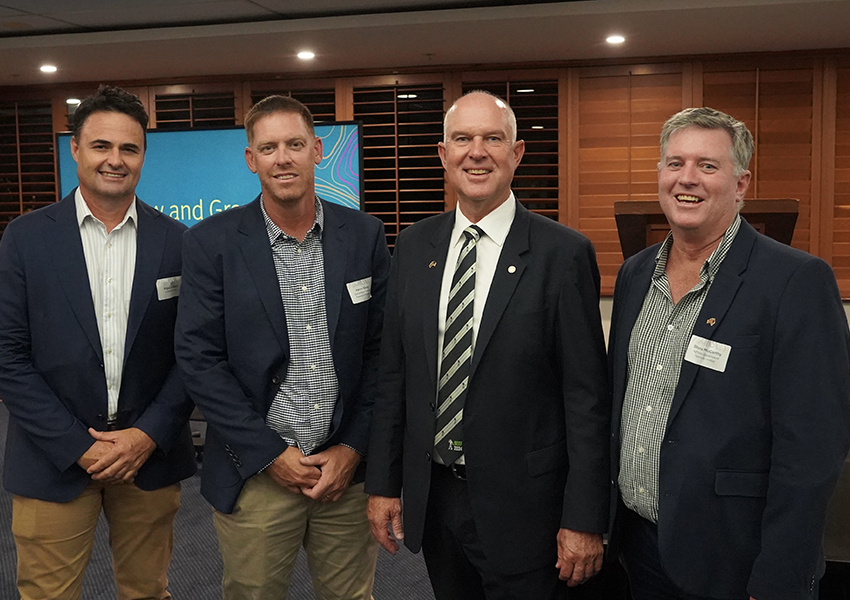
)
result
[(473, 232)]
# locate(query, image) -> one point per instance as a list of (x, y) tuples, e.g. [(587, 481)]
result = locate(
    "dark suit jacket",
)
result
[(536, 413), (233, 347), (51, 360), (751, 455)]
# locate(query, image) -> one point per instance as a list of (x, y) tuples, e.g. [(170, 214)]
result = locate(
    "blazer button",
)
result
[(428, 456), (431, 406), (275, 380)]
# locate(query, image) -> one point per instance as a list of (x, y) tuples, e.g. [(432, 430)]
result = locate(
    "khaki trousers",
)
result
[(259, 543), (54, 541)]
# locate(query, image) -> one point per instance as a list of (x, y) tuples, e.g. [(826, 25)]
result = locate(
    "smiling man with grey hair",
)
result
[(730, 372)]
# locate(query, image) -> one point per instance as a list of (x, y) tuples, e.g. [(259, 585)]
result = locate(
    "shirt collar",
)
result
[(495, 225), (712, 263), (84, 212), (275, 232)]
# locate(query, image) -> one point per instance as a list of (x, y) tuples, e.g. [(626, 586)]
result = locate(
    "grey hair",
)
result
[(709, 118), (499, 102)]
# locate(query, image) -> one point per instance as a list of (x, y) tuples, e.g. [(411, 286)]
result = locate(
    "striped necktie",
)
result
[(457, 353)]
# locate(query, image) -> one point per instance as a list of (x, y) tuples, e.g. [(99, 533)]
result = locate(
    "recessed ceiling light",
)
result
[(306, 55), (48, 68), (525, 91), (537, 126), (615, 39), (72, 101), (406, 96)]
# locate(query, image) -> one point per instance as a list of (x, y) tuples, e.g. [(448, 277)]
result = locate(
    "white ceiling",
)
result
[(110, 40)]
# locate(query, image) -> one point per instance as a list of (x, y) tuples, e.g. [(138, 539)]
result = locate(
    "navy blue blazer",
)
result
[(51, 360), (751, 455), (536, 416), (233, 347)]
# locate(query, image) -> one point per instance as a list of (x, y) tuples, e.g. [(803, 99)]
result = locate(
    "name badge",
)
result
[(708, 353), (360, 290), (168, 287)]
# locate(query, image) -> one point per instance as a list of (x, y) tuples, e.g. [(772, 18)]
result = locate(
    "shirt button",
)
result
[(109, 280), (671, 327), (641, 490), (109, 350), (303, 288), (641, 449), (313, 367), (648, 408), (108, 315), (109, 245), (316, 406), (659, 367), (298, 251), (309, 328)]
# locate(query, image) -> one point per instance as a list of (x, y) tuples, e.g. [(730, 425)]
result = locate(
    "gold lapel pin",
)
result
[(512, 269), (711, 322), (432, 264)]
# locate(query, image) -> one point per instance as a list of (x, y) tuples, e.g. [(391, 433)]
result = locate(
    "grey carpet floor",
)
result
[(195, 572)]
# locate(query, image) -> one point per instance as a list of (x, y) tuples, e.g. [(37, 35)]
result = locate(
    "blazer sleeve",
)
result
[(384, 467), (356, 434), (166, 416), (810, 419), (36, 408), (202, 355), (587, 404)]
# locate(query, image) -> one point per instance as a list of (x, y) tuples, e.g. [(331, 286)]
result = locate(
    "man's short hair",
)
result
[(275, 104), (499, 102), (709, 118), (110, 98)]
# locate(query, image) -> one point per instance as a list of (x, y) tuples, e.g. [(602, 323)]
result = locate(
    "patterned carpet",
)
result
[(196, 567)]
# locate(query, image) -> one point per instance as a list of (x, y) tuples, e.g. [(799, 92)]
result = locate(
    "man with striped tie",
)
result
[(492, 415)]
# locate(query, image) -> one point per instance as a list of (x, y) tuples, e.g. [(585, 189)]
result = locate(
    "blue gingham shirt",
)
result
[(303, 407), (657, 347)]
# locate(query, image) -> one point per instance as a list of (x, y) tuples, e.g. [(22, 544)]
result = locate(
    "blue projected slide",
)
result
[(190, 175)]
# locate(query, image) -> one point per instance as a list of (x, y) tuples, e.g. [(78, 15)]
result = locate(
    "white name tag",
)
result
[(168, 287), (360, 290), (708, 353)]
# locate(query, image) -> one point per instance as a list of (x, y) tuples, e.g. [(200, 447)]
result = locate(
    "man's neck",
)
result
[(293, 218), (110, 211)]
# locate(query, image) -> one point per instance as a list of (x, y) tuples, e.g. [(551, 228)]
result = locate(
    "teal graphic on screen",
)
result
[(190, 175)]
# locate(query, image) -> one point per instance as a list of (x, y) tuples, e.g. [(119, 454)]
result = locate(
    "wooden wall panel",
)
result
[(841, 206), (620, 118), (777, 105)]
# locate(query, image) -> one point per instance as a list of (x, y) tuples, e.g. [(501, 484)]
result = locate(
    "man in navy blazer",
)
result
[(527, 501), (99, 415), (278, 339), (731, 384)]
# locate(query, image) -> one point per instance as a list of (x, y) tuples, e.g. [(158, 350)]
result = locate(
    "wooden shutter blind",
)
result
[(841, 210), (620, 119), (320, 102), (27, 177), (186, 111), (535, 104), (777, 107), (403, 176)]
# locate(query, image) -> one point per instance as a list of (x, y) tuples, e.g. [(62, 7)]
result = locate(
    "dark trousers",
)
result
[(456, 561), (639, 554)]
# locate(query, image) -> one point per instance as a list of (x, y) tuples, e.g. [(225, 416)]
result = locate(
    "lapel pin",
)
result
[(512, 269), (711, 322), (432, 264)]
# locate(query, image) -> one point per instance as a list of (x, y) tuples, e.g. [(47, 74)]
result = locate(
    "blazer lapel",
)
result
[(632, 299), (150, 245), (509, 270), (254, 245), (64, 238), (334, 255), (720, 296), (431, 282)]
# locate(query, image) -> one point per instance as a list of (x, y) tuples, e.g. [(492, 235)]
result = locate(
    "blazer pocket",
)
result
[(745, 341), (751, 484), (548, 459)]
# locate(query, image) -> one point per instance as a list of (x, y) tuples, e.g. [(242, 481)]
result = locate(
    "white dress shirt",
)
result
[(495, 226), (111, 264)]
